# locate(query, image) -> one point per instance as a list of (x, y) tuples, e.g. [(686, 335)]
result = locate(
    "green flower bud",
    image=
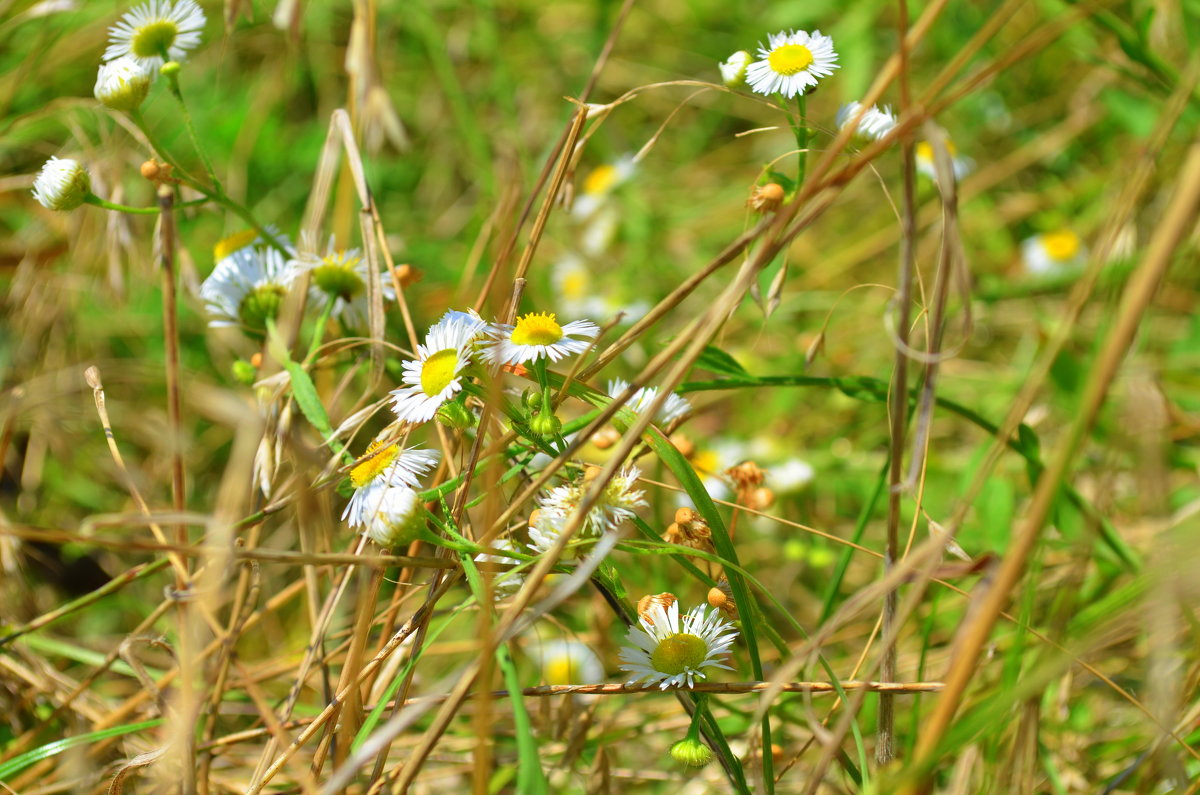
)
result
[(547, 426), (171, 68), (532, 400), (244, 372), (455, 415), (691, 752), (122, 84)]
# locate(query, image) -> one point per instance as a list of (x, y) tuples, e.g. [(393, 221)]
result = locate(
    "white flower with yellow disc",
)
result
[(155, 32), (674, 652), (538, 335), (791, 63), (1052, 252), (384, 466), (436, 375)]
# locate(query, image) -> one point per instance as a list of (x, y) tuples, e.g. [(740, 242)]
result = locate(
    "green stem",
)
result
[(95, 200), (801, 131), (319, 332), (215, 194), (173, 80)]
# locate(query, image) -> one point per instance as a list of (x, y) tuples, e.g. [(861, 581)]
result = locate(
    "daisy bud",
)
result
[(547, 426), (244, 372), (455, 415), (122, 84), (691, 752), (61, 184), (685, 515), (151, 170), (532, 400), (733, 70), (171, 68)]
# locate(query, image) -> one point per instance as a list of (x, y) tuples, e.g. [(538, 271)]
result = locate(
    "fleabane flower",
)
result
[(156, 32), (874, 124), (674, 651), (1051, 252), (538, 335), (617, 503), (122, 84), (247, 288), (62, 184), (567, 662), (340, 275), (384, 465), (733, 70), (791, 63), (392, 515), (599, 184), (925, 162), (674, 407), (435, 376)]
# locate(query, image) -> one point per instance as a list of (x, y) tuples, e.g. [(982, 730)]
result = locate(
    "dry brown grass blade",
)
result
[(1177, 221)]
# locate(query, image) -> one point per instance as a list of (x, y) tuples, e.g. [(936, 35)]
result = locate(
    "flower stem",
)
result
[(319, 332), (93, 199), (801, 131), (173, 79)]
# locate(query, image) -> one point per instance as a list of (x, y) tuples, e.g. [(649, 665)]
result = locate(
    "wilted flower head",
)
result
[(156, 32), (122, 84), (791, 63), (62, 184)]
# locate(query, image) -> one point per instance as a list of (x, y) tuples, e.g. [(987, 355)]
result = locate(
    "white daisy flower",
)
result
[(600, 182), (384, 465), (675, 652), (435, 377), (567, 662), (791, 63), (733, 70), (791, 475), (924, 155), (618, 502), (247, 288), (505, 583), (122, 84), (1052, 252), (874, 124), (600, 229), (340, 275), (392, 515), (538, 335), (156, 32), (249, 237), (674, 407), (62, 184)]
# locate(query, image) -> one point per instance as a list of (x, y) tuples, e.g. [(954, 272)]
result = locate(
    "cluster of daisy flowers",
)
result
[(254, 275)]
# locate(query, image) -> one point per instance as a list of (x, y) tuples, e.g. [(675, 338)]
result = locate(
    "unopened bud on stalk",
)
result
[(122, 84), (62, 184), (766, 198), (691, 752)]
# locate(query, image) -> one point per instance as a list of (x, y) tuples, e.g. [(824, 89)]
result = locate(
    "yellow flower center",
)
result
[(678, 653), (233, 243), (377, 459), (563, 671), (600, 179), (789, 59), (705, 462), (575, 284), (925, 150), (154, 38), (437, 371), (1062, 245), (336, 276), (537, 329)]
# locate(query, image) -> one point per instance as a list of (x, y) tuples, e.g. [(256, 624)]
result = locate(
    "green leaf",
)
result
[(19, 763), (718, 361)]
